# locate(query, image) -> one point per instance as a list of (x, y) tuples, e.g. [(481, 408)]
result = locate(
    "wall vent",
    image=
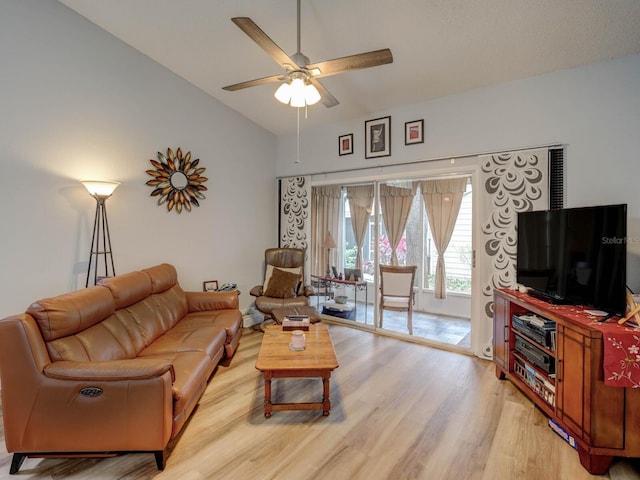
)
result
[(556, 178)]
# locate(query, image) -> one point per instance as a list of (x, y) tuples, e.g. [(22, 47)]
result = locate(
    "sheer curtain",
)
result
[(325, 203), (360, 202), (395, 203), (442, 199)]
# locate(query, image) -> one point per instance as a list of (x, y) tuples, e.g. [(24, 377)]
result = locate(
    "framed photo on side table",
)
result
[(413, 132), (377, 135), (345, 144), (210, 285)]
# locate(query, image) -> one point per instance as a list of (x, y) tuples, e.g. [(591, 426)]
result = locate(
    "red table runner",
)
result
[(621, 342)]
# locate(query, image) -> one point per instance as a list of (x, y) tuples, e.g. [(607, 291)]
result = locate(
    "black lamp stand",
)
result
[(100, 242)]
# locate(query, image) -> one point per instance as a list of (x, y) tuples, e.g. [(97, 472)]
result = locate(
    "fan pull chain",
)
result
[(298, 144)]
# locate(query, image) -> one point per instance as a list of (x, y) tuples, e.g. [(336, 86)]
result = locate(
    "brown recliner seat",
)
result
[(283, 284)]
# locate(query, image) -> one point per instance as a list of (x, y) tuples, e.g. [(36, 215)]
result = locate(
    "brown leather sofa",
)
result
[(114, 368)]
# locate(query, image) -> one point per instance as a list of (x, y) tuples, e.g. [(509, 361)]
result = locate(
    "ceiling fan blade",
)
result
[(326, 98), (264, 41), (254, 83), (352, 62)]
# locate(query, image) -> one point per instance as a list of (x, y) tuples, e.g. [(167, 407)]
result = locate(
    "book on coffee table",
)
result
[(296, 322)]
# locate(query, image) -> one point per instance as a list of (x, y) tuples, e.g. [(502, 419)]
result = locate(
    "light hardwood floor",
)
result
[(400, 410)]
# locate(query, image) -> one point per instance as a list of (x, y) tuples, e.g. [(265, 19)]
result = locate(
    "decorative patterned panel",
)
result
[(513, 182), (295, 203)]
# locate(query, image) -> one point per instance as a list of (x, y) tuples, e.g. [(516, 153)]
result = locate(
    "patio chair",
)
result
[(396, 291)]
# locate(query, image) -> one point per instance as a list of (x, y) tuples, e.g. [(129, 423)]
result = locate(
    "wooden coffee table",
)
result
[(276, 360)]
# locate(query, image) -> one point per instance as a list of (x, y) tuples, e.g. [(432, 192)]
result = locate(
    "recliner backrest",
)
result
[(286, 258)]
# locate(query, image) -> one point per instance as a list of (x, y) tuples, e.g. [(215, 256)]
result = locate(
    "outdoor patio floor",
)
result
[(440, 328)]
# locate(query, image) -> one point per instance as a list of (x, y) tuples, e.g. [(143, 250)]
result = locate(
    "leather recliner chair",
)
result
[(290, 260)]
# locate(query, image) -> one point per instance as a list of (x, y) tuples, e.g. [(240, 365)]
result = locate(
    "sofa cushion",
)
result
[(107, 340), (163, 277), (71, 312), (189, 337), (192, 371), (170, 306), (230, 320), (129, 288)]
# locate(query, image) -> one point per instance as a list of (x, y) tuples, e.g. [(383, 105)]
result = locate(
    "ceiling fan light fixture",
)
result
[(283, 93), (297, 93), (311, 94)]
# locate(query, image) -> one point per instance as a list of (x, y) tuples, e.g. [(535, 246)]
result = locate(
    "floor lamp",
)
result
[(328, 243), (101, 240)]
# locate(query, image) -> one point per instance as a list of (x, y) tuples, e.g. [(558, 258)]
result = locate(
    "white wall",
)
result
[(77, 104), (593, 110)]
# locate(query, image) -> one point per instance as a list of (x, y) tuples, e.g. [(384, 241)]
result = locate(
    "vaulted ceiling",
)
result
[(440, 47)]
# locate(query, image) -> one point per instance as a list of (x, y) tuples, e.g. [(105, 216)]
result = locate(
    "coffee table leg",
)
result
[(326, 399), (267, 393)]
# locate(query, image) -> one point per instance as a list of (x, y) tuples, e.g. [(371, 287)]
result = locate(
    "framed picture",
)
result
[(413, 132), (345, 144), (210, 285), (377, 137)]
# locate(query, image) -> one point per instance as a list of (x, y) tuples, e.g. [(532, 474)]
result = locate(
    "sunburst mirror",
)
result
[(177, 180)]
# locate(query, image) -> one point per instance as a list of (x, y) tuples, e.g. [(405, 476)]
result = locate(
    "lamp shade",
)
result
[(99, 188), (283, 93), (311, 94), (297, 93), (328, 242)]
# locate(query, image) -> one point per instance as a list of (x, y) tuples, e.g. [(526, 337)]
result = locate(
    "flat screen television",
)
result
[(575, 256)]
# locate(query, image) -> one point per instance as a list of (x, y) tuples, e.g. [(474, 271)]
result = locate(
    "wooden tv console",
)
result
[(604, 420)]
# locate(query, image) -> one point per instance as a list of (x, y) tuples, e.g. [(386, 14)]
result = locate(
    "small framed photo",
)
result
[(377, 135), (210, 285), (413, 132), (345, 144)]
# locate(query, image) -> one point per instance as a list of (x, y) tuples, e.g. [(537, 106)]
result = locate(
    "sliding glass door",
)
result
[(388, 223)]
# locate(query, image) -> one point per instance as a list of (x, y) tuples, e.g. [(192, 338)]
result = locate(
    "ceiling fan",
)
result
[(299, 71)]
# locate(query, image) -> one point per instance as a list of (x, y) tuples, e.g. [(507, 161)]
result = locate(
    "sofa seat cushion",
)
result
[(230, 320), (192, 371), (189, 337)]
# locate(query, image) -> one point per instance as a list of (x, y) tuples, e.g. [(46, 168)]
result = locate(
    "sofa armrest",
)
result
[(309, 291), (206, 301), (132, 369), (256, 291)]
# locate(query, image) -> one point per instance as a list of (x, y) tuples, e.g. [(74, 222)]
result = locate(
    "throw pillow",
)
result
[(269, 271), (282, 284)]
